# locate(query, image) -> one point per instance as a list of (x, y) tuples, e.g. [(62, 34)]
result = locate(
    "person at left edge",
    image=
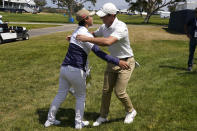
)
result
[(72, 72), (1, 22)]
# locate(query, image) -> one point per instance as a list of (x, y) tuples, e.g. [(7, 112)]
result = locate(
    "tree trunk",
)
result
[(146, 20), (70, 11), (58, 4), (141, 14)]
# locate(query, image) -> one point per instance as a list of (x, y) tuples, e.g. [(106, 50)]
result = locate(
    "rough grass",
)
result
[(34, 26), (60, 18), (149, 33), (162, 91)]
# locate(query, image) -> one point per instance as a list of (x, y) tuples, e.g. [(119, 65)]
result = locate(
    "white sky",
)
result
[(120, 4)]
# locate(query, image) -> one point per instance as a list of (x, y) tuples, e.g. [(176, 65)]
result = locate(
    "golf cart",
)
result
[(12, 33)]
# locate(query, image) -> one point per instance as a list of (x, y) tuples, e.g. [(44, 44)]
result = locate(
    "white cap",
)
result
[(1, 16), (108, 8)]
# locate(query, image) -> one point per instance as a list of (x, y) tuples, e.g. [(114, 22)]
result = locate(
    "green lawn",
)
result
[(60, 18), (34, 26), (162, 91), (27, 17)]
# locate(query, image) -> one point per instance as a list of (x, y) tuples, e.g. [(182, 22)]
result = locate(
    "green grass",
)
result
[(60, 18), (161, 90), (137, 19), (50, 17), (34, 26)]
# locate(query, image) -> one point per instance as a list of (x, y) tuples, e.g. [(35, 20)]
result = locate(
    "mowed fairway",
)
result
[(162, 91)]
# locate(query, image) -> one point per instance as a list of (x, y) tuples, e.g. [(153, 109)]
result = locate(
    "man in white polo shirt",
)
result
[(114, 34)]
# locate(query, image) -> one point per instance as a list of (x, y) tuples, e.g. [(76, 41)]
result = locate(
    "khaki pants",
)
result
[(117, 79)]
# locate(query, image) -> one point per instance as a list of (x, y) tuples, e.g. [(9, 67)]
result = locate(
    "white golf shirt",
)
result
[(118, 29)]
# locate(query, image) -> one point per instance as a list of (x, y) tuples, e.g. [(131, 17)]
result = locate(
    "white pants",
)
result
[(70, 76)]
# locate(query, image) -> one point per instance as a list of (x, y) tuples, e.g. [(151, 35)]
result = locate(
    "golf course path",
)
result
[(50, 30)]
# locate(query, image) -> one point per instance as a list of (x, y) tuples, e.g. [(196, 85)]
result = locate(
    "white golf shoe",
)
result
[(99, 121), (49, 123), (130, 117), (80, 126)]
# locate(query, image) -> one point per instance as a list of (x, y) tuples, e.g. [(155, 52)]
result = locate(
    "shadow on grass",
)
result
[(9, 41), (171, 31), (173, 67), (66, 116), (188, 73), (179, 68), (116, 120)]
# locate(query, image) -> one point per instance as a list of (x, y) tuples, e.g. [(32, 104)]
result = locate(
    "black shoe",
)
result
[(189, 68)]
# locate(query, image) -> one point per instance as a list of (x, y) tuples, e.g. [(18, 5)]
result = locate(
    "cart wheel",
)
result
[(26, 37), (1, 41)]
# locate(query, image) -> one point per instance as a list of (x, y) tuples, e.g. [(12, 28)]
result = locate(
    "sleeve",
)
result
[(98, 32), (105, 56), (87, 44), (120, 32)]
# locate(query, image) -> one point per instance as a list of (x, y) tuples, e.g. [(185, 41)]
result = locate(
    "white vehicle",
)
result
[(12, 33), (164, 14)]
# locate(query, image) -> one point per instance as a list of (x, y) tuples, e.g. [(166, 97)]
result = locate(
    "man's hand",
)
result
[(124, 65), (68, 38), (82, 38)]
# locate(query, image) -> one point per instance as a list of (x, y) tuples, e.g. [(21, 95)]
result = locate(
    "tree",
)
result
[(152, 6), (172, 7), (40, 3), (72, 4), (57, 2), (139, 5)]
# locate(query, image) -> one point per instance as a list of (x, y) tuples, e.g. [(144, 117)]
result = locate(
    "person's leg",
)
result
[(109, 82), (120, 91), (60, 97), (192, 47), (121, 85), (109, 79), (78, 81)]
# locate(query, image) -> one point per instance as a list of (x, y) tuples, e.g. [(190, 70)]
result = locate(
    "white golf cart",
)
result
[(12, 33)]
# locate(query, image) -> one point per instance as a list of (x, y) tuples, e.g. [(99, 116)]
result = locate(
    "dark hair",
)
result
[(82, 22)]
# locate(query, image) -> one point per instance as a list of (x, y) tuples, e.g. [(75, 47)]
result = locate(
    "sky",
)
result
[(120, 4)]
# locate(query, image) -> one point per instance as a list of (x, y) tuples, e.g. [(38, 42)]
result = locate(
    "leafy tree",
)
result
[(40, 3), (139, 6), (72, 4), (172, 7), (152, 6)]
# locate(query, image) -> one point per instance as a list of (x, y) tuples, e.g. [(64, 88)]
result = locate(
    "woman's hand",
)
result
[(68, 38)]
